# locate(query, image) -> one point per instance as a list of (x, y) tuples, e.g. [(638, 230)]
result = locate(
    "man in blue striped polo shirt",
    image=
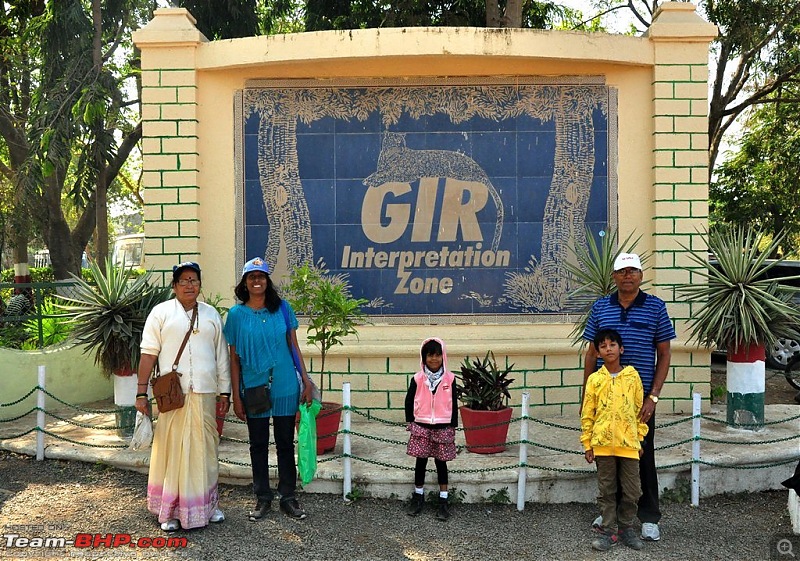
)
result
[(642, 321)]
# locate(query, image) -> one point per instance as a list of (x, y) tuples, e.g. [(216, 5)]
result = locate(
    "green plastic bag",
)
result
[(307, 441)]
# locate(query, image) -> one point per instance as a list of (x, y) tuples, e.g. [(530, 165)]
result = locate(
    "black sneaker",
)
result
[(629, 537), (291, 508), (444, 512), (416, 504), (260, 511), (605, 542)]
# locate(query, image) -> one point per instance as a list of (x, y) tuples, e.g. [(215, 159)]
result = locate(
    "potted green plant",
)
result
[(740, 308), (482, 388), (332, 314), (108, 319)]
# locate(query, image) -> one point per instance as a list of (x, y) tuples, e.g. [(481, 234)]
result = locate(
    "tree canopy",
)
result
[(226, 19), (68, 91), (760, 183), (67, 125)]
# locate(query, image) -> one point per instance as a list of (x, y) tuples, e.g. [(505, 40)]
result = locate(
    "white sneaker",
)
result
[(171, 525), (650, 532), (597, 524), (217, 516)]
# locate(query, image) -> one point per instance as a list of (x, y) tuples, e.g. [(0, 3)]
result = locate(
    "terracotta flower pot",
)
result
[(485, 431), (328, 426), (328, 420)]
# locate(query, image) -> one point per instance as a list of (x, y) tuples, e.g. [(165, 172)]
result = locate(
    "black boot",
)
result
[(416, 504), (444, 511)]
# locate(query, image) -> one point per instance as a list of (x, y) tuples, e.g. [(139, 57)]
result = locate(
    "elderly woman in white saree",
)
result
[(182, 484)]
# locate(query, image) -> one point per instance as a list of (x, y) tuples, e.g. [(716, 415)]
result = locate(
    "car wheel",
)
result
[(792, 374), (780, 352)]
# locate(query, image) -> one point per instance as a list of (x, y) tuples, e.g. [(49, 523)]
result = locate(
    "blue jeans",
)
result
[(258, 430)]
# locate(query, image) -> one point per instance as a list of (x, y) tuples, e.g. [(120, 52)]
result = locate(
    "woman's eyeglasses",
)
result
[(189, 282)]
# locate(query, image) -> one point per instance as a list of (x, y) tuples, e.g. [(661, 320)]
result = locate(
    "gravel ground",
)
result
[(62, 499)]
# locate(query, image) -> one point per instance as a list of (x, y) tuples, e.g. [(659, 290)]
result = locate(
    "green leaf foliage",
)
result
[(759, 183), (591, 273), (71, 116), (739, 304), (55, 326), (108, 317), (483, 385), (325, 300)]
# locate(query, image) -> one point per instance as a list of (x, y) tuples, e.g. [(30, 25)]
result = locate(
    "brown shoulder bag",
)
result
[(167, 388)]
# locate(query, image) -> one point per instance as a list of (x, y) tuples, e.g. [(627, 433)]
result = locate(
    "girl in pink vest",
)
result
[(432, 416)]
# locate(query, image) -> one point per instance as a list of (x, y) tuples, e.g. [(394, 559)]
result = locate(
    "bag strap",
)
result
[(156, 369), (185, 338), (292, 351)]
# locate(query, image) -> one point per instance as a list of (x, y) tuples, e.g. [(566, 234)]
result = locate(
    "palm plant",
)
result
[(592, 273), (108, 318), (741, 305)]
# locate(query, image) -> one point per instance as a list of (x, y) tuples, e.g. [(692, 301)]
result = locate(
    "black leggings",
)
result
[(422, 466)]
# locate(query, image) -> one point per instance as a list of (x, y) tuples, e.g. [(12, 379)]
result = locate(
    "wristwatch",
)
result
[(653, 397)]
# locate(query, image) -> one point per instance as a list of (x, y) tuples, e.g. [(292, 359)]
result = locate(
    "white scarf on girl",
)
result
[(434, 377)]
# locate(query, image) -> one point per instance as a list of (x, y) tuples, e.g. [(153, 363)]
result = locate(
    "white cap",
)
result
[(625, 260)]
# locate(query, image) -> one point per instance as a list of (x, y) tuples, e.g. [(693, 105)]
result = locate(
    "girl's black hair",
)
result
[(607, 334), (272, 299), (431, 347)]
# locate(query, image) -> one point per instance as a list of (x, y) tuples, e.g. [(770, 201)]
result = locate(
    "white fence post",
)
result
[(696, 402), (346, 461), (523, 452), (40, 414)]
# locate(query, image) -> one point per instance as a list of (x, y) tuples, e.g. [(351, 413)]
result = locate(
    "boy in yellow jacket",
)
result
[(611, 434)]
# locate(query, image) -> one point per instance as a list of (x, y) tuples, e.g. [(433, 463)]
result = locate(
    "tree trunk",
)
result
[(101, 186), (21, 270), (492, 14), (510, 17), (513, 15)]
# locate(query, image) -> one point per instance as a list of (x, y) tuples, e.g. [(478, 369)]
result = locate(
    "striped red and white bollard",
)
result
[(746, 382)]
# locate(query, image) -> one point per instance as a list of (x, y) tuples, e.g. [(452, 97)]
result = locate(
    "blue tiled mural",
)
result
[(434, 199)]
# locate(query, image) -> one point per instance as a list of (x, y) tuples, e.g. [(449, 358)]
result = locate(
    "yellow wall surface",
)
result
[(661, 79), (70, 375)]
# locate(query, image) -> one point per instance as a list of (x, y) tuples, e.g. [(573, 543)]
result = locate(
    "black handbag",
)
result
[(257, 400)]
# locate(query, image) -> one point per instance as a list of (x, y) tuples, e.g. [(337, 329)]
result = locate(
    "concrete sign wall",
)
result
[(447, 171)]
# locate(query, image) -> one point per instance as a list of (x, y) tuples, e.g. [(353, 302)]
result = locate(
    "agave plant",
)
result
[(741, 305), (108, 318), (483, 385), (592, 273)]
